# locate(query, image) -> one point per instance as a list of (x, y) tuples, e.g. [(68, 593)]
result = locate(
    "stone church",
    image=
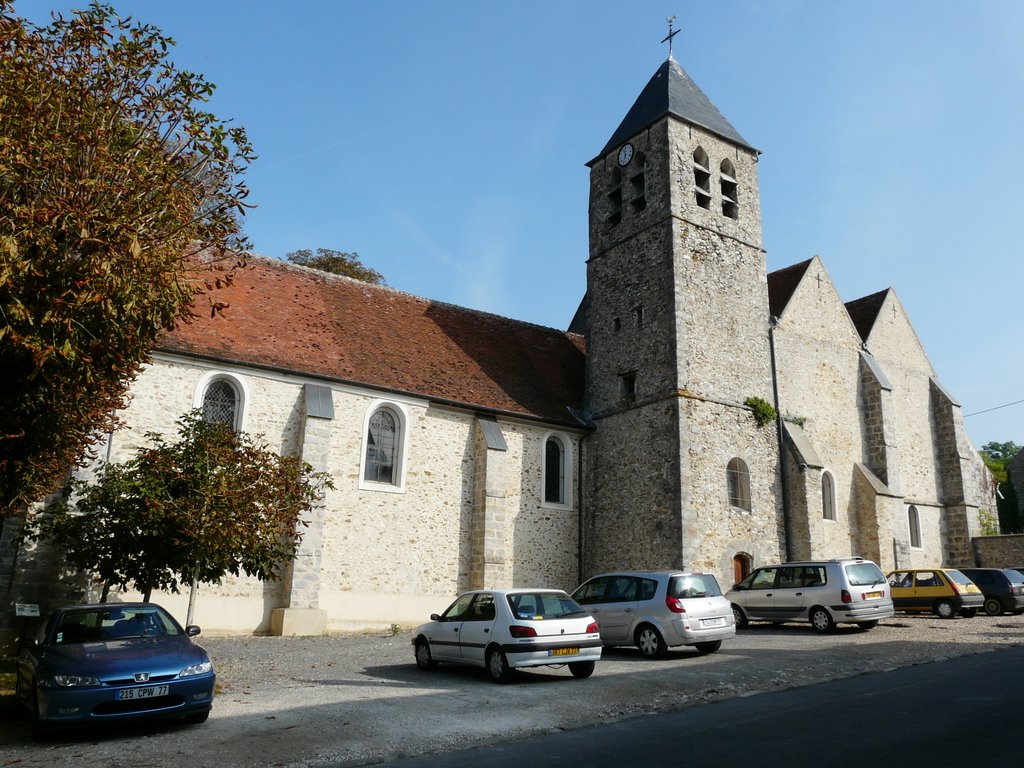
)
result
[(471, 450)]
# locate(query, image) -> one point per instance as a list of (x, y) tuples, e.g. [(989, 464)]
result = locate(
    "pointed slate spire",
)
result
[(672, 92)]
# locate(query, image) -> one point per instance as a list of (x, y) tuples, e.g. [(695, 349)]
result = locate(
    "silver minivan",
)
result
[(655, 610), (824, 592)]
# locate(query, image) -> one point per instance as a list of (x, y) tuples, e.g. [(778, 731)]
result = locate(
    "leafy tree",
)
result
[(338, 263), (997, 457), (120, 202), (212, 503)]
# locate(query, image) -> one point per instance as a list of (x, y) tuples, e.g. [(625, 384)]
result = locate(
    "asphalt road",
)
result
[(963, 712)]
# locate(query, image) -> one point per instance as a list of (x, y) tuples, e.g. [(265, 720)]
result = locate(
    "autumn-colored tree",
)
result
[(120, 201), (338, 263), (211, 503)]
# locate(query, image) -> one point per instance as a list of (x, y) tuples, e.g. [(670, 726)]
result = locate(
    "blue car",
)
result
[(113, 662)]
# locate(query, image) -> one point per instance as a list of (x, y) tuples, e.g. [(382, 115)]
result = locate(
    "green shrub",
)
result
[(763, 411)]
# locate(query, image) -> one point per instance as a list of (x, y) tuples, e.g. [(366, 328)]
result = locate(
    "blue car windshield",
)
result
[(112, 622)]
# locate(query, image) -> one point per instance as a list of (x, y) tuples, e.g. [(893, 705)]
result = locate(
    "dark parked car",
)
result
[(1003, 589), (91, 664)]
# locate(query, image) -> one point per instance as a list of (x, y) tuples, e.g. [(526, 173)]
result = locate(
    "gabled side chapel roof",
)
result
[(864, 311), (301, 321)]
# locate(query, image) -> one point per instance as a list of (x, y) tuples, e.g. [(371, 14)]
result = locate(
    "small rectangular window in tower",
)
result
[(616, 324), (627, 385)]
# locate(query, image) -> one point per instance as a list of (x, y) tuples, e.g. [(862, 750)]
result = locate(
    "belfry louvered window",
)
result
[(730, 190), (702, 177)]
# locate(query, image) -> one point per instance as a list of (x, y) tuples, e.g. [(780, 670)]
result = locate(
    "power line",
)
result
[(987, 410)]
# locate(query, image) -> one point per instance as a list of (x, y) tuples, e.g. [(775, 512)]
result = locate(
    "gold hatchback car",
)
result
[(943, 591)]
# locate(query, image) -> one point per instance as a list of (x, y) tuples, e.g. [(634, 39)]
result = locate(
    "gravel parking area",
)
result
[(360, 700)]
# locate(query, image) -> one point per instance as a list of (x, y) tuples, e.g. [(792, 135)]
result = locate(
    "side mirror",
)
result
[(192, 630), (435, 617)]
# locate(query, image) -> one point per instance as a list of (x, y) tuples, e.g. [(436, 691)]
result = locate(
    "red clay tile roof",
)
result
[(285, 317)]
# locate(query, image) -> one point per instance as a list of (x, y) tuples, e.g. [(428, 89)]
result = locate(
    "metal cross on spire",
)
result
[(671, 20)]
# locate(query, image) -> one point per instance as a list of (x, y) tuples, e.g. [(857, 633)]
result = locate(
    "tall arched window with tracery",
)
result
[(383, 443), (738, 478), (221, 403)]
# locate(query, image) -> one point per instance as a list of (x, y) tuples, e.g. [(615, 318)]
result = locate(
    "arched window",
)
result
[(554, 477), (730, 190), (738, 478), (222, 398), (221, 403), (702, 177), (914, 523), (383, 443), (828, 496), (557, 471)]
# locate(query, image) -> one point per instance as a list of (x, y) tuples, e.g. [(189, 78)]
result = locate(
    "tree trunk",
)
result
[(192, 595)]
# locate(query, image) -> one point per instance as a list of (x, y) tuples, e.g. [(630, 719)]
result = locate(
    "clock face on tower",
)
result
[(625, 154)]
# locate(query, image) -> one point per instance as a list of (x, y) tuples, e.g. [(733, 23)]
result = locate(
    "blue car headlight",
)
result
[(74, 681), (202, 668)]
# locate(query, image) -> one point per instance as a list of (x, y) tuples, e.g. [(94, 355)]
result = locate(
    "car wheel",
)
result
[(866, 625), (944, 609), (739, 617), (424, 659), (969, 613), (497, 666), (821, 619), (197, 717), (710, 646), (993, 607), (650, 642), (582, 669)]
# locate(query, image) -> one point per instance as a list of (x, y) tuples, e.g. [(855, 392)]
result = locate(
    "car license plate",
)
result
[(719, 622), (873, 595), (563, 651), (127, 694)]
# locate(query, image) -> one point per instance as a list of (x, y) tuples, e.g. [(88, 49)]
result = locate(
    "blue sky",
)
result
[(445, 142)]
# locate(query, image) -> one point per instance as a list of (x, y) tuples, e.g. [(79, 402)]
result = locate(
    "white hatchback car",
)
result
[(655, 610), (504, 629)]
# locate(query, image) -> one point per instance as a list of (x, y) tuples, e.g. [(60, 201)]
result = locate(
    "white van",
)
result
[(824, 592), (656, 610)]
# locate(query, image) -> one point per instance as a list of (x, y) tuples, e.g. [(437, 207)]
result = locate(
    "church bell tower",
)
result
[(680, 473)]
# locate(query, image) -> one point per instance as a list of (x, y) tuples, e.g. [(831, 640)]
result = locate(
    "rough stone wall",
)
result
[(881, 450), (899, 353), (713, 531), (387, 557), (817, 352), (1006, 551), (1016, 477), (633, 511)]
